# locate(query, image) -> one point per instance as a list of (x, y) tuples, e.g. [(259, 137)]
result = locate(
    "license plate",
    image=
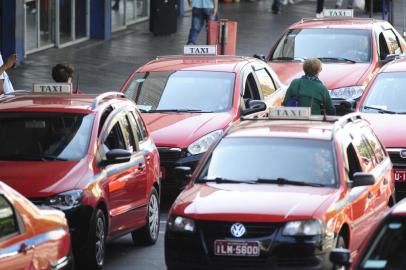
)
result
[(234, 248), (162, 172), (399, 175)]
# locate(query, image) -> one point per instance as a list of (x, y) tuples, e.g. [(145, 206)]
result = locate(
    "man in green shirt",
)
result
[(309, 90)]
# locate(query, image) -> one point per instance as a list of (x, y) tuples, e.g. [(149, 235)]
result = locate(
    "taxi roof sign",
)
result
[(338, 13), (52, 88), (200, 50), (291, 113)]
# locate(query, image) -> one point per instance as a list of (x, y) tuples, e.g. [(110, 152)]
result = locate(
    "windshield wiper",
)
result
[(288, 58), (220, 180), (175, 110), (341, 59), (32, 158), (379, 109), (284, 181)]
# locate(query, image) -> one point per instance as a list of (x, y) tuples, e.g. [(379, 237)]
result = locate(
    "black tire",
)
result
[(96, 244), (340, 244), (148, 234)]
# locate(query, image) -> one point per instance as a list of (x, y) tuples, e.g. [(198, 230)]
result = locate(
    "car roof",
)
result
[(69, 103), (219, 63), (353, 23), (398, 65)]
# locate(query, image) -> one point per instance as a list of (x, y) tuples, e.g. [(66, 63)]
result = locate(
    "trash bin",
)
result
[(223, 33), (163, 17)]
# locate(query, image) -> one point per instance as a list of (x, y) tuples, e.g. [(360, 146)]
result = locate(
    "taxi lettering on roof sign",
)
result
[(289, 113), (200, 50), (53, 88), (346, 13)]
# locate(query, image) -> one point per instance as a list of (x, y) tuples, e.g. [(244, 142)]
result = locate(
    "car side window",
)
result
[(128, 134), (103, 117), (393, 42), (136, 129), (375, 144), (265, 81), (365, 153), (383, 47), (353, 165), (140, 125), (8, 219), (115, 138), (251, 88)]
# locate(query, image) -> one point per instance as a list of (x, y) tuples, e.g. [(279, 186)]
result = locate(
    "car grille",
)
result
[(396, 159), (220, 230), (170, 155), (39, 201)]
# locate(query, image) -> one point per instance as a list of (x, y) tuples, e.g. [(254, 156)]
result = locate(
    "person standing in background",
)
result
[(202, 12), (63, 73), (5, 83), (319, 8)]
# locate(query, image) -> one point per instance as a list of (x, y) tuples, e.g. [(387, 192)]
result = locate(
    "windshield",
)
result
[(200, 91), (388, 249), (44, 136), (328, 44), (253, 159), (387, 93)]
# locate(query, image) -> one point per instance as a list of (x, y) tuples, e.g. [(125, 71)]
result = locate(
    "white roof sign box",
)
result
[(291, 113), (52, 88), (340, 13), (200, 50)]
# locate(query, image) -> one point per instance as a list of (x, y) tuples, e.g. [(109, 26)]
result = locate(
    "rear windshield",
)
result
[(44, 136), (200, 91), (329, 45), (250, 159)]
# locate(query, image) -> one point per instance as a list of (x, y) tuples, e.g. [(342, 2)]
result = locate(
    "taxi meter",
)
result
[(52, 88)]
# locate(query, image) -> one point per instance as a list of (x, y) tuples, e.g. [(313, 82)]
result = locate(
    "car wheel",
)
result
[(340, 244), (148, 234), (96, 245)]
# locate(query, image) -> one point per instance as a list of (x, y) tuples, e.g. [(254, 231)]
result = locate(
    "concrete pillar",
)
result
[(100, 19)]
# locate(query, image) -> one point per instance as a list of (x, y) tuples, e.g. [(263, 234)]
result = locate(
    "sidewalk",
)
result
[(105, 65)]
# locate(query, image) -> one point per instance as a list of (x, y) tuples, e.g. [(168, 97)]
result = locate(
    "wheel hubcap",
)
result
[(100, 239), (153, 216)]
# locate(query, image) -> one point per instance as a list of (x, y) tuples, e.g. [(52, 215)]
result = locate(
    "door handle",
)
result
[(148, 157), (24, 248), (370, 196), (385, 181), (141, 166)]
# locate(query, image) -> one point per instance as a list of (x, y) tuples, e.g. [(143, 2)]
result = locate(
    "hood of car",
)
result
[(36, 179), (181, 129), (390, 128), (250, 202), (333, 75)]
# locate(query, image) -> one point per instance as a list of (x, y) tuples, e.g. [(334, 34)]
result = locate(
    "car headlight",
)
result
[(352, 92), (309, 227), (202, 145), (181, 224), (66, 200)]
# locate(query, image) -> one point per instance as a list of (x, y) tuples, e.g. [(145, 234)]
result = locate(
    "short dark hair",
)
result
[(62, 72), (312, 66)]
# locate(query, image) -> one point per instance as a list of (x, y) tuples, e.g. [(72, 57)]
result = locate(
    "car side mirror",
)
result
[(116, 156), (388, 58), (182, 175), (254, 106), (259, 56), (341, 257), (362, 179)]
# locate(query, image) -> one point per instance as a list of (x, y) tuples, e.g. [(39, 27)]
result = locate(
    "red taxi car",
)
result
[(351, 50), (383, 104), (280, 194), (91, 157), (189, 100), (31, 238), (384, 248)]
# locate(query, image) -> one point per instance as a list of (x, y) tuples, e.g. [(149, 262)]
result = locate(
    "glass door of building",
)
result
[(73, 21), (125, 12), (39, 26)]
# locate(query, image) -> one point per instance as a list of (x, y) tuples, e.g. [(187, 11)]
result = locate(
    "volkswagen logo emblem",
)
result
[(237, 230), (403, 153)]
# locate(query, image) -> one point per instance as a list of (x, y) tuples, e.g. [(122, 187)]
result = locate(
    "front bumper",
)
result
[(79, 223), (196, 250)]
